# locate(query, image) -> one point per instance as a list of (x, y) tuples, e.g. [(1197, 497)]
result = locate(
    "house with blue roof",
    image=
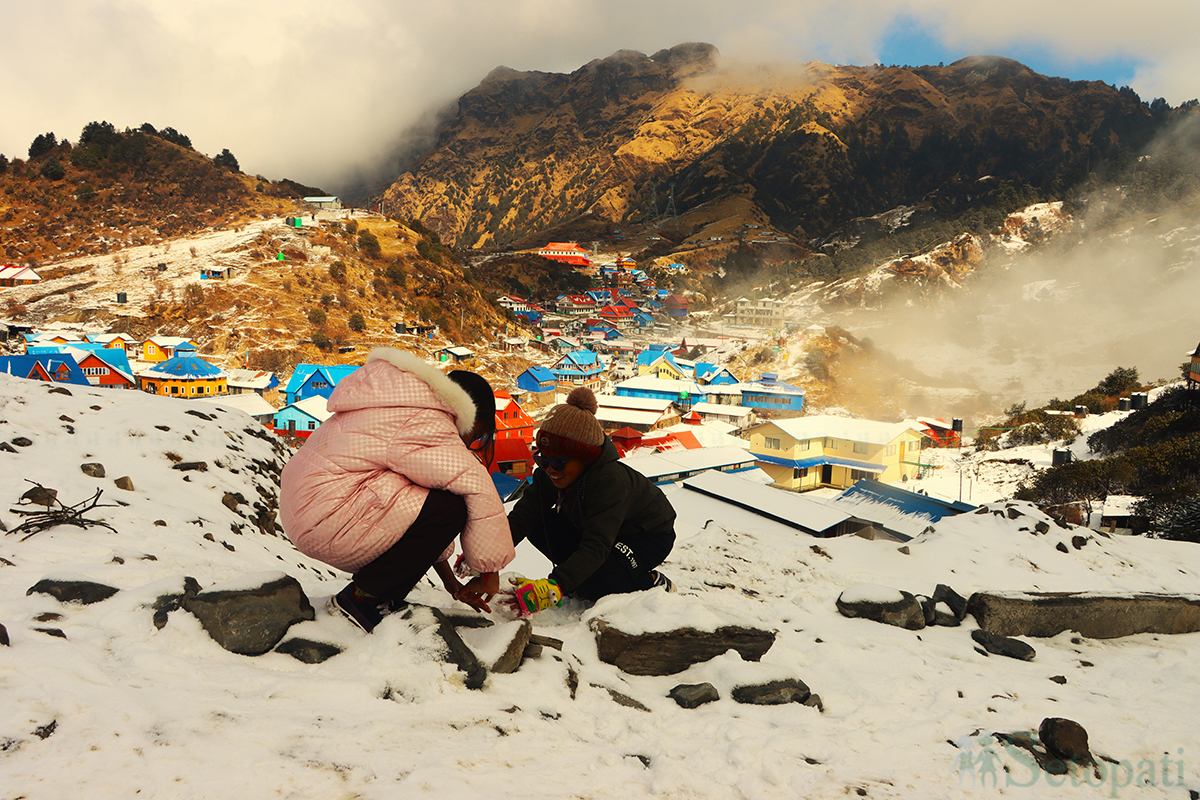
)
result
[(311, 380), (184, 375), (662, 364), (51, 367), (768, 393), (684, 393), (302, 417), (539, 385), (103, 366), (581, 368), (714, 374)]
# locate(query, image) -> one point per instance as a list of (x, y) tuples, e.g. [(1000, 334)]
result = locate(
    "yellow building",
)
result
[(664, 367), (810, 452), (161, 348), (187, 376)]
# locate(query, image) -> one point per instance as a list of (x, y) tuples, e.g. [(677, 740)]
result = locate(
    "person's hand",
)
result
[(536, 595), (479, 590)]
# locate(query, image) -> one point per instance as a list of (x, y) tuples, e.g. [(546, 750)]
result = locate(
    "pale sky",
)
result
[(312, 90)]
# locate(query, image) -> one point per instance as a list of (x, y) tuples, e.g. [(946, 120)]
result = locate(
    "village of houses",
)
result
[(673, 415)]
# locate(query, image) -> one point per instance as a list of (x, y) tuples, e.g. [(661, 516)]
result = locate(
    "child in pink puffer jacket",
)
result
[(382, 488)]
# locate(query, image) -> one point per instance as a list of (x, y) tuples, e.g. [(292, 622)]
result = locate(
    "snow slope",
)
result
[(119, 708)]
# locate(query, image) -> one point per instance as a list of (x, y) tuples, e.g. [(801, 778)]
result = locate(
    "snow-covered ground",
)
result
[(119, 708)]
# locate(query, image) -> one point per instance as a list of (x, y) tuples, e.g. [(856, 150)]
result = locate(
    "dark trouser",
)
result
[(394, 574), (627, 568)]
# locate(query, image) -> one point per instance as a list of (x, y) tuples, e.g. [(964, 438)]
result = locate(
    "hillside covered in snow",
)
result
[(99, 701)]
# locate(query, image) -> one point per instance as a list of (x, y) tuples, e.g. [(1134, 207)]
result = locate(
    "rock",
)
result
[(623, 699), (167, 603), (927, 608), (905, 612), (8, 448), (124, 482), (52, 632), (1059, 679), (1078, 542), (251, 621), (184, 466), (942, 615), (1066, 739), (1096, 616), (546, 641), (1062, 548), (232, 500), (308, 651), (3, 636), (41, 496), (199, 414), (61, 390), (814, 701), (1003, 645), (510, 659), (92, 470), (458, 652), (1013, 513), (904, 549), (694, 695), (774, 693), (1042, 526), (22, 441), (83, 592), (669, 652), (956, 602)]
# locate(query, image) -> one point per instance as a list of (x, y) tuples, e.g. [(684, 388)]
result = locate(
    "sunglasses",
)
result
[(556, 464)]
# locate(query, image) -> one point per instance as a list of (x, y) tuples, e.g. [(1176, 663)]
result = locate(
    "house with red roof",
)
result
[(566, 253)]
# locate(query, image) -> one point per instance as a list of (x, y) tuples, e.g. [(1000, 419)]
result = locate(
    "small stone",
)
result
[(185, 466), (625, 700), (61, 390), (1066, 739), (162, 523), (904, 549), (1078, 542), (694, 695), (1059, 679), (1062, 548), (22, 441), (1042, 527), (52, 632), (814, 701), (1014, 513), (124, 482), (1004, 645), (308, 651), (92, 470), (6, 447), (3, 636)]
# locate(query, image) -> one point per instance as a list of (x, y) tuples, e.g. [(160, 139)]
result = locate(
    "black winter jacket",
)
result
[(609, 502)]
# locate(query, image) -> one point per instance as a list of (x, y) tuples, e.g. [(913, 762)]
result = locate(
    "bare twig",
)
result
[(38, 521)]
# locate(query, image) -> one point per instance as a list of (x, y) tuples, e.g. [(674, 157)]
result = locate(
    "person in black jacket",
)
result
[(604, 526)]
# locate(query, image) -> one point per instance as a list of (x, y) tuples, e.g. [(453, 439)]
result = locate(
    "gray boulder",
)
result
[(251, 621), (1066, 739), (905, 611), (82, 592), (774, 693), (1093, 615), (308, 650)]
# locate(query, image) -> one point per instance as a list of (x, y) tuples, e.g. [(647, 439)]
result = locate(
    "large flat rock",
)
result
[(669, 652), (1097, 616)]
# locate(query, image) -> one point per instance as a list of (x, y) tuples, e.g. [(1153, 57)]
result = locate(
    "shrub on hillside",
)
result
[(52, 169), (316, 317), (42, 143), (226, 159), (321, 340), (337, 271), (356, 323), (396, 274), (368, 244)]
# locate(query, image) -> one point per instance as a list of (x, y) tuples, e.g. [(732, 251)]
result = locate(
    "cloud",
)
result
[(311, 90)]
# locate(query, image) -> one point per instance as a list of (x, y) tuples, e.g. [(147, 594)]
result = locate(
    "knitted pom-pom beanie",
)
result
[(571, 430)]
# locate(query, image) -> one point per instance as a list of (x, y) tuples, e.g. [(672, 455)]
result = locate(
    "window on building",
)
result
[(771, 444), (312, 426), (804, 444), (891, 449), (831, 444), (799, 472), (860, 447), (174, 390)]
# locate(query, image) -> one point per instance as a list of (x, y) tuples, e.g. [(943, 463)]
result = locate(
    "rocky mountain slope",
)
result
[(803, 149)]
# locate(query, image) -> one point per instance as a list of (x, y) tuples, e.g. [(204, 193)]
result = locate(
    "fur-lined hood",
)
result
[(374, 385)]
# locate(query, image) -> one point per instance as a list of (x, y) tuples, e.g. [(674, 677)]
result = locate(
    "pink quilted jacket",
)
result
[(360, 480)]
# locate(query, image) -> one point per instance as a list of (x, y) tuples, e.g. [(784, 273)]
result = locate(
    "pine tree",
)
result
[(226, 159), (43, 143)]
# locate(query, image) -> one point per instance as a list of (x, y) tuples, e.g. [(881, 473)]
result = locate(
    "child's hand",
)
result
[(536, 595), (479, 590)]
